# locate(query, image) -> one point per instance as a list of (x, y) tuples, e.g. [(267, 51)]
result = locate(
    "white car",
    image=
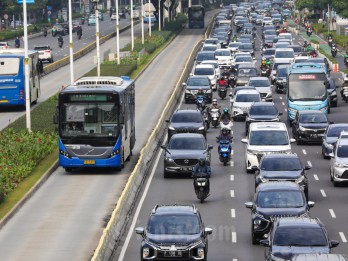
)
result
[(234, 46), (267, 21), (114, 17), (216, 66), (4, 45), (206, 70), (223, 57), (45, 53), (263, 86), (242, 102), (339, 160), (265, 138), (284, 55)]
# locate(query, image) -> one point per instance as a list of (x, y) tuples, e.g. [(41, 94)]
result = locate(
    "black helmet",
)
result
[(305, 42), (224, 131), (225, 110), (202, 161)]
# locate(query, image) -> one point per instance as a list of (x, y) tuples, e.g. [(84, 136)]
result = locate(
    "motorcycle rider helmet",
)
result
[(225, 111), (201, 161), (214, 102), (224, 131)]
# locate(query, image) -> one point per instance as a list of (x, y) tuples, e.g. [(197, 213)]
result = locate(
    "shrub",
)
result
[(111, 68)]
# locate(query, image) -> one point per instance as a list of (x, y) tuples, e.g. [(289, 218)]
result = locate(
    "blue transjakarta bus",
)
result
[(96, 122), (307, 88), (12, 77)]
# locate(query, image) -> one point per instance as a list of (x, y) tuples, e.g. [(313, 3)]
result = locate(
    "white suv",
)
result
[(206, 70), (265, 138), (45, 53), (242, 102), (339, 160)]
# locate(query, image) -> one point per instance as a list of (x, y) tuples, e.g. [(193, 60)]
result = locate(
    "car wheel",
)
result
[(331, 176), (51, 60), (68, 170), (336, 184), (186, 101)]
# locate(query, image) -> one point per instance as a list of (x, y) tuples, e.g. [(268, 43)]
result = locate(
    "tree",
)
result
[(341, 7)]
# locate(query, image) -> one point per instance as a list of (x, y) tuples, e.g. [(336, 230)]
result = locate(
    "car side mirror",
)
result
[(292, 140), (255, 168), (244, 140), (167, 121), (208, 231), (248, 204), (184, 84), (210, 147), (334, 243), (140, 231), (163, 147), (307, 167), (264, 242), (280, 113), (331, 122), (310, 204)]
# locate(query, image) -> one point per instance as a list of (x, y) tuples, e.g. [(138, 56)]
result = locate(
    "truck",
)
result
[(196, 15)]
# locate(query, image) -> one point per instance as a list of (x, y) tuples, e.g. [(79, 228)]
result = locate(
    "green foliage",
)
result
[(113, 69), (341, 40), (329, 57), (20, 153), (181, 18), (319, 28)]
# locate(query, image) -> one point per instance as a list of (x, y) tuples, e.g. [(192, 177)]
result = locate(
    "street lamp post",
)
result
[(26, 68), (117, 34), (71, 45), (132, 25)]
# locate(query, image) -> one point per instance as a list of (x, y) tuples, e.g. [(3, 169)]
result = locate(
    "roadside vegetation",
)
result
[(25, 157)]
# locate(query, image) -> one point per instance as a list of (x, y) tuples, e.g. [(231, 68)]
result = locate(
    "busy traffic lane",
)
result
[(231, 187), (64, 220)]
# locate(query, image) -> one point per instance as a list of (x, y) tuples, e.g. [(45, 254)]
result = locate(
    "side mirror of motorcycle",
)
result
[(244, 140)]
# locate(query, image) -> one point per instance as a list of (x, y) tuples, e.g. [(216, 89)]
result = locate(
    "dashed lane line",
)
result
[(343, 237), (315, 176), (283, 103), (232, 193), (234, 237), (233, 213), (231, 163), (304, 151), (323, 193), (309, 163), (232, 177), (332, 213)]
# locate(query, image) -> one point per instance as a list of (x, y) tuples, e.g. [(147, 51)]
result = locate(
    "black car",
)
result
[(261, 111), (268, 41), (280, 78), (331, 92), (331, 135), (282, 167), (296, 235), (187, 121), (272, 200), (174, 232), (204, 55), (319, 257), (309, 126), (183, 152), (248, 48), (196, 83)]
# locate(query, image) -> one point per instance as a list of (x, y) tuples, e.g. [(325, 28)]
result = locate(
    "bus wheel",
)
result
[(68, 170)]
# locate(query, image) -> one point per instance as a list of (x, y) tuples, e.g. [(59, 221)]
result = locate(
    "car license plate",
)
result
[(89, 162), (173, 254), (3, 101), (186, 169)]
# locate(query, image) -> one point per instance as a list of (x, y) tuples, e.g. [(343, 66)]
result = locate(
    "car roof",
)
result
[(247, 91), (188, 135), (310, 112), (263, 104), (278, 185), (174, 209), (204, 66), (246, 65), (267, 126), (185, 111), (258, 78), (319, 257), (280, 155), (299, 221)]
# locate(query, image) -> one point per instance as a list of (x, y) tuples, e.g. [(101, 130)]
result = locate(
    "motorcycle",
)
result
[(330, 41), (346, 61), (224, 151), (309, 32), (79, 34), (60, 44), (265, 71), (202, 186), (226, 125), (200, 102), (333, 51), (345, 94), (214, 117), (45, 33), (222, 91)]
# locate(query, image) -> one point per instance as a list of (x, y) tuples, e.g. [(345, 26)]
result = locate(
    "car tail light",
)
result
[(47, 51)]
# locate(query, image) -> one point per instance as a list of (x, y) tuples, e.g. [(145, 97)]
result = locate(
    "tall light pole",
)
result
[(71, 45), (149, 17), (142, 22), (117, 34), (159, 15), (97, 41), (26, 69), (132, 25)]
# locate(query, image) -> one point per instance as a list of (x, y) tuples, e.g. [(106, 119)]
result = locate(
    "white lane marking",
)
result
[(234, 237), (283, 103), (281, 97), (231, 152), (304, 151), (136, 215), (309, 163), (323, 193), (315, 176), (233, 213), (343, 238), (332, 213), (234, 259), (232, 193), (285, 109), (231, 163), (232, 177)]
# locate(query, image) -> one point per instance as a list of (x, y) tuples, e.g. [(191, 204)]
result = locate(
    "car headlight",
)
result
[(168, 158), (146, 252), (339, 165), (201, 128), (171, 128), (323, 109), (300, 179), (301, 128), (200, 252)]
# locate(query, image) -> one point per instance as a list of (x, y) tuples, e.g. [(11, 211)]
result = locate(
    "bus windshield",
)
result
[(9, 66), (307, 87), (91, 119)]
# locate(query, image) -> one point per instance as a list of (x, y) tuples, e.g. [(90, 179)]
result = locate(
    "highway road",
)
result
[(231, 187), (65, 218)]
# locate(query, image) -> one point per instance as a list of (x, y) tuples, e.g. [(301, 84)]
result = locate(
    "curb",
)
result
[(28, 195)]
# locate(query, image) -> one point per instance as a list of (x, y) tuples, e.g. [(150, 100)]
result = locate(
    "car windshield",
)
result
[(282, 72), (297, 49), (269, 52), (204, 71), (205, 56), (260, 83), (222, 53), (336, 131), (280, 199), (284, 54), (247, 97), (247, 59), (247, 72), (342, 151), (245, 46), (198, 82), (270, 32), (209, 48), (280, 164), (263, 110), (267, 137), (275, 65), (234, 45), (313, 118), (211, 41), (41, 48), (173, 225), (299, 236), (187, 117), (186, 143)]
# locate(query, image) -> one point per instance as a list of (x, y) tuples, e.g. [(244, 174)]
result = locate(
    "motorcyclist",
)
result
[(45, 31), (222, 81), (226, 73), (79, 31), (60, 40), (224, 135), (201, 168), (225, 116), (17, 42), (234, 39), (214, 105)]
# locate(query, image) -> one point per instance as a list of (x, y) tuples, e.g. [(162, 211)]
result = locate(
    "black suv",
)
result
[(309, 126), (280, 78), (196, 83), (272, 200), (261, 111), (187, 121), (174, 232), (296, 235), (282, 167)]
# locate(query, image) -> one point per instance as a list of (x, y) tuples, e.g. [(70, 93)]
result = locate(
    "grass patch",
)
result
[(345, 71), (113, 69), (15, 196)]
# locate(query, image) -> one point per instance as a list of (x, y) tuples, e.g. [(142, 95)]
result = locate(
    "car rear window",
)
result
[(187, 117), (281, 164), (299, 236), (204, 71), (186, 143), (268, 137), (41, 48)]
